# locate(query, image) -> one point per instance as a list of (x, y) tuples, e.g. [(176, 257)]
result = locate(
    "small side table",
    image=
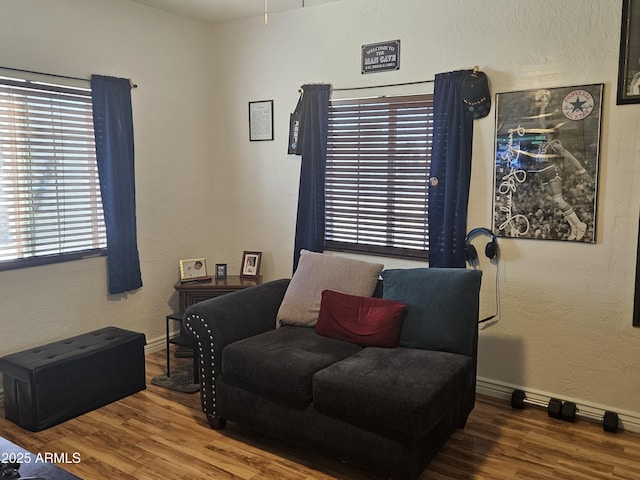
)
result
[(182, 340), (190, 293), (194, 292), (182, 380)]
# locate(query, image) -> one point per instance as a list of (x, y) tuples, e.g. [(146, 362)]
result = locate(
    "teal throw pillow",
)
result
[(442, 307)]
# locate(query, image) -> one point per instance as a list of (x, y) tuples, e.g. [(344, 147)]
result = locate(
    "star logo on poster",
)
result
[(577, 105)]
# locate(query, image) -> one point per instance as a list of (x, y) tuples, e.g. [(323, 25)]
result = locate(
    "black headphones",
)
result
[(491, 250)]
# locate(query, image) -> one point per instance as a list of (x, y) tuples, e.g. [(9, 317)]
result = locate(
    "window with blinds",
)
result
[(50, 205), (378, 159)]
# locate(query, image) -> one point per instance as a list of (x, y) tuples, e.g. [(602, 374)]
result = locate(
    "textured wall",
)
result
[(165, 56), (205, 190), (565, 323)]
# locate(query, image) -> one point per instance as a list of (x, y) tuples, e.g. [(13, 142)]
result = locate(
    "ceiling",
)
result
[(217, 11)]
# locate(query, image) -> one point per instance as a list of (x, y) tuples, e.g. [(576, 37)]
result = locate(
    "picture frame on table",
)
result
[(629, 62), (193, 269), (250, 267), (221, 271)]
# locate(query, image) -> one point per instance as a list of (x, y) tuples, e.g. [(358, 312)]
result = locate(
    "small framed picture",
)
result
[(261, 120), (250, 264), (221, 270), (193, 269), (629, 61)]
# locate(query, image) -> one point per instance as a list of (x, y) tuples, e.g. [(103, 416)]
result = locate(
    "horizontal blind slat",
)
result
[(378, 159), (50, 202)]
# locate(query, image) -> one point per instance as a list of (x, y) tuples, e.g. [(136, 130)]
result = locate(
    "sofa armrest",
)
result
[(222, 320)]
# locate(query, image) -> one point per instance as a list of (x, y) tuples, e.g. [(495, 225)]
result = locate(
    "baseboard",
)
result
[(629, 421), (155, 345)]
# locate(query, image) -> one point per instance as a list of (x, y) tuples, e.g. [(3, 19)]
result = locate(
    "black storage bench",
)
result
[(48, 385)]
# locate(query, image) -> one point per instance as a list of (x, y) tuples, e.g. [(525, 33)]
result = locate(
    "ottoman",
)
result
[(48, 385)]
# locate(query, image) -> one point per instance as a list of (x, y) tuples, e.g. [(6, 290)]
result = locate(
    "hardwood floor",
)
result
[(161, 434)]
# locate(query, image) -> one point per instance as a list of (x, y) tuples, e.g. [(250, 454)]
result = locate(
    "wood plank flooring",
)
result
[(161, 434)]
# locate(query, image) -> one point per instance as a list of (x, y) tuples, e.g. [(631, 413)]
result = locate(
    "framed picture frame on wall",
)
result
[(250, 267), (547, 154), (261, 120), (629, 63)]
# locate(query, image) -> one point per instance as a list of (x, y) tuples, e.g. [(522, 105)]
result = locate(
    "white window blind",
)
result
[(378, 159), (50, 203)]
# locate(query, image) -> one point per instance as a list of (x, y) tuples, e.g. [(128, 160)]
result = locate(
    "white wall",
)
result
[(565, 324), (204, 190), (164, 55)]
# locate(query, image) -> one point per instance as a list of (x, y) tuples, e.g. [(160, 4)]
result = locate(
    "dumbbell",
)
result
[(609, 420), (519, 400)]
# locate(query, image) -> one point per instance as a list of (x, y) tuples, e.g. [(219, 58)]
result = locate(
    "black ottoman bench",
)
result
[(48, 385)]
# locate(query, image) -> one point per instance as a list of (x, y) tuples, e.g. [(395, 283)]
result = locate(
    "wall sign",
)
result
[(381, 57)]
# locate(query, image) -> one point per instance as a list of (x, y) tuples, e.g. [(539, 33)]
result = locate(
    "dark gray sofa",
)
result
[(387, 410)]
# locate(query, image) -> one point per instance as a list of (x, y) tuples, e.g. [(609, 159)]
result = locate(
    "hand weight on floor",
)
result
[(519, 400), (609, 420), (567, 411)]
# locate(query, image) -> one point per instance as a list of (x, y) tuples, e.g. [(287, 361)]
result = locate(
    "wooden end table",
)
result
[(194, 292), (190, 293)]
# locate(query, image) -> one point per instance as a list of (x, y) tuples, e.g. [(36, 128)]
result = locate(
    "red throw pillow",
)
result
[(371, 322)]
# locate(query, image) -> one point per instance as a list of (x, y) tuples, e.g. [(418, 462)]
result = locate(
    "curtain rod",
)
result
[(133, 85), (376, 86), (381, 86)]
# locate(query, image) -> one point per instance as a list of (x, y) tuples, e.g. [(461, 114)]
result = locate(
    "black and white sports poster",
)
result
[(547, 154)]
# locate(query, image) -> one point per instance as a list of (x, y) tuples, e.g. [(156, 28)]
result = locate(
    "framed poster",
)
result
[(629, 63), (547, 152), (261, 120)]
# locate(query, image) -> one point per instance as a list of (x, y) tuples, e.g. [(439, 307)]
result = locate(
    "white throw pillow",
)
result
[(317, 272)]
